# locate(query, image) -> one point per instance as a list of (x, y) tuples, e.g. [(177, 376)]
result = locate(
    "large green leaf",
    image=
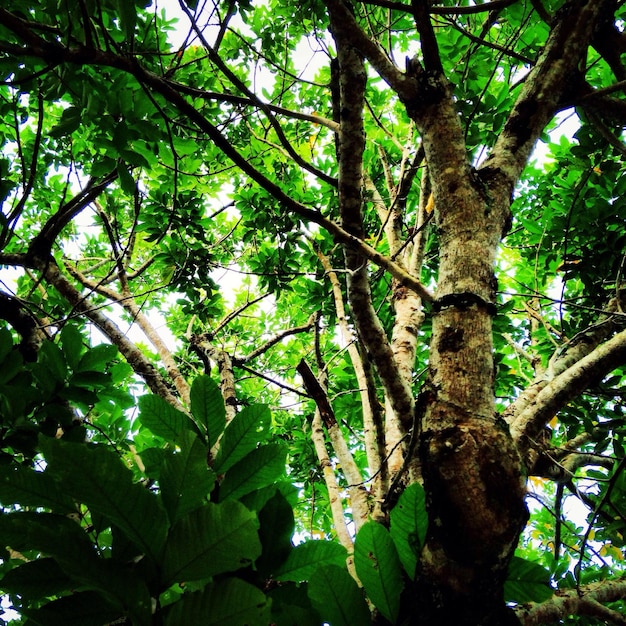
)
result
[(277, 526), (84, 608), (162, 418), (36, 579), (97, 477), (259, 468), (305, 558), (27, 487), (527, 582), (65, 541), (214, 539), (231, 602), (241, 436), (337, 598), (408, 526), (185, 478), (207, 407), (378, 568)]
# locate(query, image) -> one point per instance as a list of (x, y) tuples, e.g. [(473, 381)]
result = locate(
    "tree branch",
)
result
[(582, 601)]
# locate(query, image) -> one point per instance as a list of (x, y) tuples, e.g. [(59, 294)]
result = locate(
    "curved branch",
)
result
[(57, 53), (582, 601), (560, 390), (545, 86)]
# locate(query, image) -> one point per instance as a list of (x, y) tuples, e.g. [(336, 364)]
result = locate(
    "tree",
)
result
[(433, 312)]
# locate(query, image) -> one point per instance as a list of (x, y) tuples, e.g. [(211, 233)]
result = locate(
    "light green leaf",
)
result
[(97, 477), (305, 558), (241, 436), (162, 418), (96, 358), (207, 407), (408, 526), (231, 602), (214, 539), (337, 598), (185, 478), (259, 468), (527, 582), (378, 568)]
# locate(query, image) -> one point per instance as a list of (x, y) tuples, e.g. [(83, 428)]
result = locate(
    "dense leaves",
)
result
[(342, 275)]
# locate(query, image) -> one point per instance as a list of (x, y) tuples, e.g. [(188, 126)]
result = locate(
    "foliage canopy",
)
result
[(341, 274)]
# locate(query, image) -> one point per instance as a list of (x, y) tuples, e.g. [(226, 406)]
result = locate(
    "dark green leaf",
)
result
[(214, 539), (162, 418), (231, 602), (26, 487), (277, 526), (98, 478), (185, 478), (527, 582), (36, 579), (241, 436), (259, 468), (207, 407), (337, 598), (85, 608), (305, 558), (408, 526), (378, 568)]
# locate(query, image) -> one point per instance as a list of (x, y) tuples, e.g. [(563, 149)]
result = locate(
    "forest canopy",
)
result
[(312, 312)]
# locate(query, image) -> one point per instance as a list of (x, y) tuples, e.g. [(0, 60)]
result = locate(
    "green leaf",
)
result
[(259, 468), (527, 582), (162, 418), (127, 182), (128, 17), (378, 568), (36, 579), (408, 526), (72, 345), (207, 407), (337, 598), (214, 539), (27, 487), (231, 602), (96, 358), (241, 436), (83, 608), (185, 478), (64, 540), (69, 122), (305, 558), (97, 477), (277, 526)]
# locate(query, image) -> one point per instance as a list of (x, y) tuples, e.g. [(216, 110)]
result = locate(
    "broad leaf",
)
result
[(527, 582), (185, 479), (84, 608), (378, 568), (241, 436), (98, 478), (305, 558), (231, 602), (207, 407), (259, 468), (27, 487), (36, 579), (162, 418), (214, 539), (277, 526), (337, 598), (408, 525)]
